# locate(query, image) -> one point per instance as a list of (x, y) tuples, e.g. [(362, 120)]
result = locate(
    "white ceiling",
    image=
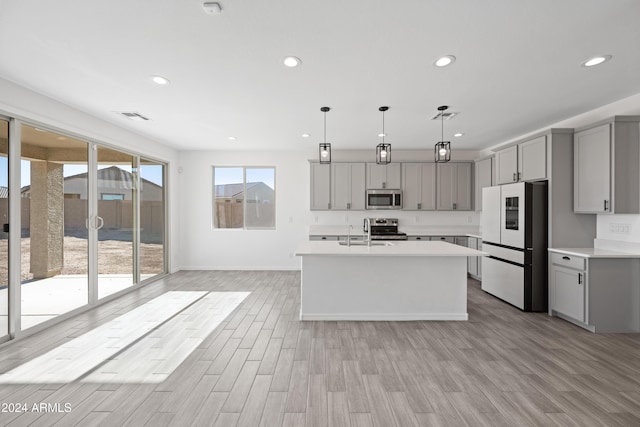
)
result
[(517, 69)]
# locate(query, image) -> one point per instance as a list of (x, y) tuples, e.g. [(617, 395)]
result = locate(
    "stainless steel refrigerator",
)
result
[(514, 233)]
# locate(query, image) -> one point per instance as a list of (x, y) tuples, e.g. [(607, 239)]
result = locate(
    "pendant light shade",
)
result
[(383, 150), (324, 149), (442, 151)]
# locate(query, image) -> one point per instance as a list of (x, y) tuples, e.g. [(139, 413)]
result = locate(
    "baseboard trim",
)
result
[(239, 268), (386, 317)]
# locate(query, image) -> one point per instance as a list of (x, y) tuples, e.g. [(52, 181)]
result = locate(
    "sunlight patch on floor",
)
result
[(157, 355), (75, 358)]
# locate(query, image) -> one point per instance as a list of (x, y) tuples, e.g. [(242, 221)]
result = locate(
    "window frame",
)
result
[(244, 199)]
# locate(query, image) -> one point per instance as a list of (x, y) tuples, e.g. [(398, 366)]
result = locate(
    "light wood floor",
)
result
[(264, 367)]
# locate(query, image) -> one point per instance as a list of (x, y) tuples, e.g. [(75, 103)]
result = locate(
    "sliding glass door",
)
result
[(87, 221), (54, 239), (4, 236), (152, 222), (117, 180)]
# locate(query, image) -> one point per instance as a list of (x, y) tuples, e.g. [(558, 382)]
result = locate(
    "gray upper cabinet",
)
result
[(320, 186), (484, 178), (526, 161), (606, 171), (418, 186), (383, 176), (347, 186), (454, 186), (507, 165)]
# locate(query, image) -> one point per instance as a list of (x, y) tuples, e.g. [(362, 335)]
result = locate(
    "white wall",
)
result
[(21, 103), (203, 247)]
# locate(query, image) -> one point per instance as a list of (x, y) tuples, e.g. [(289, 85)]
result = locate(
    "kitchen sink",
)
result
[(361, 243)]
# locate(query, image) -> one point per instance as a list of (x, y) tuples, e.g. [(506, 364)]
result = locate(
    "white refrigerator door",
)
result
[(491, 214), (512, 209)]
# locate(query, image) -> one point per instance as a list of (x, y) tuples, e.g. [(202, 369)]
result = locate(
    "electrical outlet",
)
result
[(620, 228)]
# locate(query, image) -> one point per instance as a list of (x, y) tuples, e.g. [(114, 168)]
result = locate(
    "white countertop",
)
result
[(411, 230), (401, 248), (594, 253)]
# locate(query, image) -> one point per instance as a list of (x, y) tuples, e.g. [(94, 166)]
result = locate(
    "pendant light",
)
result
[(443, 148), (383, 151), (325, 148)]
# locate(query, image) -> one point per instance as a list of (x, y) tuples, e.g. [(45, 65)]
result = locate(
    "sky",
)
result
[(233, 175)]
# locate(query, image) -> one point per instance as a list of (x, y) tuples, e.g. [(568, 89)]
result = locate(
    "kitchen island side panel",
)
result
[(383, 288)]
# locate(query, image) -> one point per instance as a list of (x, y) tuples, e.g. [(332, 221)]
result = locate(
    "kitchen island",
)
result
[(404, 280)]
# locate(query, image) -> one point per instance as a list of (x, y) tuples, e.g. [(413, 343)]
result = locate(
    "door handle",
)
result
[(605, 205), (100, 221), (579, 278)]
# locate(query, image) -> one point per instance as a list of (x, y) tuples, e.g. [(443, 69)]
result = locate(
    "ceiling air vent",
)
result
[(133, 116), (445, 115)]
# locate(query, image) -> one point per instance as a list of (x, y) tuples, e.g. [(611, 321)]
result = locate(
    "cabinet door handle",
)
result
[(419, 206), (455, 206), (519, 175), (566, 257), (606, 202), (579, 278), (384, 185), (348, 205), (418, 238), (514, 176), (323, 238)]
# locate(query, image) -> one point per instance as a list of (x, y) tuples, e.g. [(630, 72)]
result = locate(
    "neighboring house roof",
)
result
[(113, 173), (236, 190), (4, 192)]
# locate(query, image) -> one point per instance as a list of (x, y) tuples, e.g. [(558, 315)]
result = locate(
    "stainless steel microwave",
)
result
[(384, 199)]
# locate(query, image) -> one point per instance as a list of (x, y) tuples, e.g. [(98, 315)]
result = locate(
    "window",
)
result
[(244, 197), (111, 196)]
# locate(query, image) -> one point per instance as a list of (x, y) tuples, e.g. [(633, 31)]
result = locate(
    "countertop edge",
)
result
[(593, 253)]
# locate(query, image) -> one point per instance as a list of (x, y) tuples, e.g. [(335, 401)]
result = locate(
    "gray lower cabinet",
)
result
[(324, 238), (598, 294), (474, 263)]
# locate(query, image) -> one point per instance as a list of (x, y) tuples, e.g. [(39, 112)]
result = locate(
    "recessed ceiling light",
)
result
[(305, 135), (160, 80), (458, 135), (596, 60), (443, 61), (292, 61), (232, 138)]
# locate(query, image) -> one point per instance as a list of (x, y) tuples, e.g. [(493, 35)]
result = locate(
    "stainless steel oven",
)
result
[(384, 199)]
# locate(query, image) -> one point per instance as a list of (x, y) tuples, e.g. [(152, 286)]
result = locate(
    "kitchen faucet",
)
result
[(367, 223)]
